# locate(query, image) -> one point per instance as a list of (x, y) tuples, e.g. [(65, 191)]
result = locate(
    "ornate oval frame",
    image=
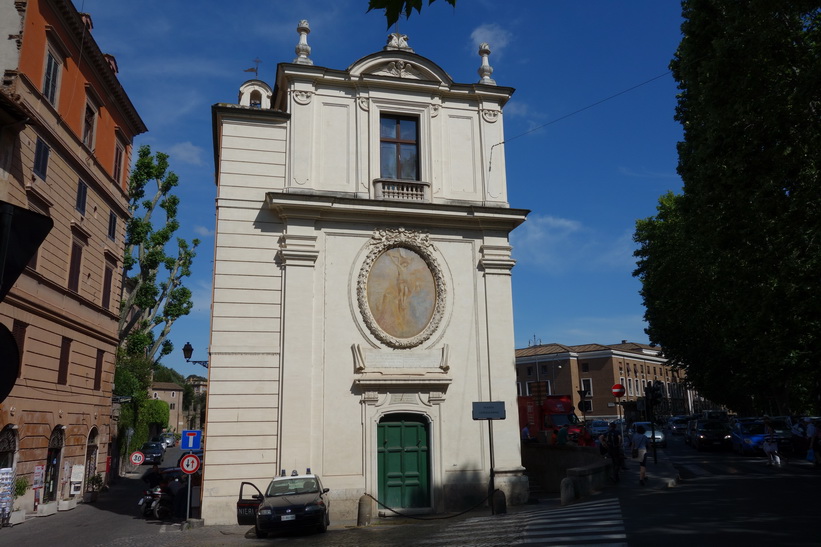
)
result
[(418, 242)]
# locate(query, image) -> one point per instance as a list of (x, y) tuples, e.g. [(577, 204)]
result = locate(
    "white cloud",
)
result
[(186, 152), (203, 231), (559, 245), (492, 34)]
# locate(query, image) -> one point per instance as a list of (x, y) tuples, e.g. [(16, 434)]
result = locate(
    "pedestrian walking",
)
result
[(770, 445), (611, 441), (638, 445)]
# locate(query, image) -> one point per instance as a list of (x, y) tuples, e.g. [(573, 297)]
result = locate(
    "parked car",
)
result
[(153, 452), (170, 439), (659, 440), (298, 501), (747, 437), (677, 426), (711, 434), (598, 427)]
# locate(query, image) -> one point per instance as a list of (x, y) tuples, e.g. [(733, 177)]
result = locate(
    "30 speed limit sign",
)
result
[(190, 464), (137, 458)]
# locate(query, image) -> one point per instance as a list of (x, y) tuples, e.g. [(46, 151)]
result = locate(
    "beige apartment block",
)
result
[(66, 132), (362, 286)]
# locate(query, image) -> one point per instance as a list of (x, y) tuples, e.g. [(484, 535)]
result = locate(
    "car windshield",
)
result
[(291, 486), (151, 446), (754, 429), (561, 419), (710, 426)]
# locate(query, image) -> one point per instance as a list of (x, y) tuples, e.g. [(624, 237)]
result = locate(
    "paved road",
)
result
[(722, 499)]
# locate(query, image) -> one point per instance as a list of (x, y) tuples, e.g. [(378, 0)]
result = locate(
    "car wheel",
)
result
[(259, 533), (323, 526)]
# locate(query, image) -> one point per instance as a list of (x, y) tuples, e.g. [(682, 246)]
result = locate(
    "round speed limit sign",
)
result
[(190, 464), (137, 458)]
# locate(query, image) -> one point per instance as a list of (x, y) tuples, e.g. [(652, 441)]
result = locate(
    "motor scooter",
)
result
[(144, 506), (162, 503)]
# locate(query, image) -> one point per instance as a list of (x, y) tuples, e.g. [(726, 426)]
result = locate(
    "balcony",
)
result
[(402, 190)]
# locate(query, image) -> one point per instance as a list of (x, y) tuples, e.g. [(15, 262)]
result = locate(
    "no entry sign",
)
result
[(618, 390)]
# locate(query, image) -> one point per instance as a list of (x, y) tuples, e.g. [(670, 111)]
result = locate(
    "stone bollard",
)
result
[(568, 490), (363, 516), (499, 503)]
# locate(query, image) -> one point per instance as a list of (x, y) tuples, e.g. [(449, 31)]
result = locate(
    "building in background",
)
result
[(555, 369), (66, 133), (170, 393), (362, 286)]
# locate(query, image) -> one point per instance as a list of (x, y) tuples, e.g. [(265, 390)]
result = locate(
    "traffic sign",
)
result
[(137, 458), (191, 439), (190, 464), (618, 390)]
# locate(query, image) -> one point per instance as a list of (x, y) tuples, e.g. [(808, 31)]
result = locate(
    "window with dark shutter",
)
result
[(18, 331), (112, 226), (107, 277), (41, 153), (98, 370), (82, 193), (65, 356), (74, 266)]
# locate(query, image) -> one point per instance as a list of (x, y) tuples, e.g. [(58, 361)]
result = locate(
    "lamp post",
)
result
[(187, 351)]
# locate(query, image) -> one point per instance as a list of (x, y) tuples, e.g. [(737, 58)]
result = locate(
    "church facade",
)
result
[(362, 287)]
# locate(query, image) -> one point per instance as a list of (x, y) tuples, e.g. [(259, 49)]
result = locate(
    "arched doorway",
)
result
[(403, 452), (91, 456), (55, 452), (8, 446)]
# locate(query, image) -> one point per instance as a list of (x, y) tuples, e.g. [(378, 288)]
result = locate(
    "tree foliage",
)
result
[(395, 8), (154, 294), (730, 267)]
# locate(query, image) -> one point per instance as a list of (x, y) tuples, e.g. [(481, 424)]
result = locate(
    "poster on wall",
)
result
[(39, 476)]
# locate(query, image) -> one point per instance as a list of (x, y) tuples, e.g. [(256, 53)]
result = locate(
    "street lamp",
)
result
[(187, 351)]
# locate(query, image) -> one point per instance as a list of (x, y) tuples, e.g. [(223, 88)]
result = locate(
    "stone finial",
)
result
[(398, 42), (485, 70), (303, 50)]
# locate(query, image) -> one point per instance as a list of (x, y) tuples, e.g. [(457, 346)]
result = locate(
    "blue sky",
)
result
[(586, 176)]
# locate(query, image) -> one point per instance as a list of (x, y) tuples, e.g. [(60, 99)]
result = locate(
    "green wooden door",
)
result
[(404, 468)]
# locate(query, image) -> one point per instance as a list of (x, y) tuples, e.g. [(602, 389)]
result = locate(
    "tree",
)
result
[(395, 8), (150, 305), (729, 268)]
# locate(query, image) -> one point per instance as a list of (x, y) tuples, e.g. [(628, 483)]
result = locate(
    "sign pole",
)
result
[(492, 470), (188, 505)]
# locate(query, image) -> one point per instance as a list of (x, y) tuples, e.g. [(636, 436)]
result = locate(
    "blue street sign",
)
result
[(191, 439)]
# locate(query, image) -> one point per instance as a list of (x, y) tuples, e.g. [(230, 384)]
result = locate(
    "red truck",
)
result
[(548, 417)]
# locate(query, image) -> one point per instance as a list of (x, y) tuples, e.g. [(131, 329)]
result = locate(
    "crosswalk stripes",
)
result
[(587, 523)]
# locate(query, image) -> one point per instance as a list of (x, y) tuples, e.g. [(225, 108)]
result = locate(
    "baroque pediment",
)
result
[(397, 69)]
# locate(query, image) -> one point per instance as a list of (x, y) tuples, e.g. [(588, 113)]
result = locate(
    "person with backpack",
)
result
[(611, 441)]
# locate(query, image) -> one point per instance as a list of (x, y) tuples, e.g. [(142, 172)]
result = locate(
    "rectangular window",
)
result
[(398, 141), (108, 276), (75, 265), (530, 371), (585, 367), (587, 385), (98, 370), (51, 78), (532, 389), (119, 154), (18, 331), (65, 356), (630, 387), (171, 406), (89, 125), (586, 406), (82, 193), (112, 226), (41, 153)]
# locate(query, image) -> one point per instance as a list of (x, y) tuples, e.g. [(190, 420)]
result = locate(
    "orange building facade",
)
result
[(66, 135)]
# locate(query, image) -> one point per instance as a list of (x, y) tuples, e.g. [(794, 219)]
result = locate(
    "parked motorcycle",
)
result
[(157, 503)]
